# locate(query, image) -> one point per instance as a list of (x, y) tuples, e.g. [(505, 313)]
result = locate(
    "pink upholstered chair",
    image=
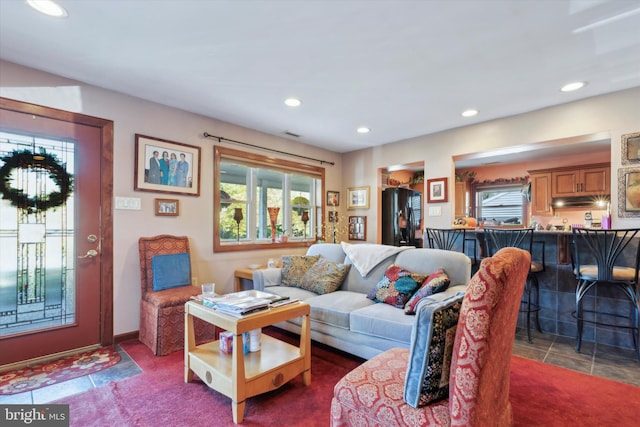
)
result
[(373, 394), (162, 311)]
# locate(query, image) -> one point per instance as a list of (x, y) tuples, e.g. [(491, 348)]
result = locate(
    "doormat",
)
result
[(57, 371)]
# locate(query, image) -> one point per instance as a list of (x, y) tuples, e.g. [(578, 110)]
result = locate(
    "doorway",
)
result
[(56, 275)]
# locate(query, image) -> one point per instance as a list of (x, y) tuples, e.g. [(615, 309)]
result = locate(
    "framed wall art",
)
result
[(437, 191), (165, 166), (358, 198), (631, 148), (629, 192), (167, 207), (357, 228), (333, 198)]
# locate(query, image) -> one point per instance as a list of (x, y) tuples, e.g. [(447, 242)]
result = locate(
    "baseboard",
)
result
[(126, 337)]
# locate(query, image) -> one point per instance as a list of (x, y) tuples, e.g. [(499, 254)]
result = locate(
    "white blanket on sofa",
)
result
[(366, 256)]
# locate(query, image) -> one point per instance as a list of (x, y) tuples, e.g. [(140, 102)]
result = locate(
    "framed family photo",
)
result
[(437, 191), (167, 207), (164, 166), (629, 192), (358, 198)]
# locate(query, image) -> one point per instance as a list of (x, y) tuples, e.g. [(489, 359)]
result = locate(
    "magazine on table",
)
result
[(243, 302)]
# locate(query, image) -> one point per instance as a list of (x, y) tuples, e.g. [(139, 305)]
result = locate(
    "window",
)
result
[(502, 204), (251, 183)]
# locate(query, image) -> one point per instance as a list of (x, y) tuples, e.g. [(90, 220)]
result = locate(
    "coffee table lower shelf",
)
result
[(276, 363)]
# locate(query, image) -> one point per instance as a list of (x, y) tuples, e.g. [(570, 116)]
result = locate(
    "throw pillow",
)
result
[(170, 271), (397, 286), (432, 342), (295, 266), (324, 276), (437, 281)]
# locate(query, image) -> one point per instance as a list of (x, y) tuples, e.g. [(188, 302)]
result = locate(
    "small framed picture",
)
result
[(333, 198), (167, 207), (631, 148), (437, 191), (629, 192), (357, 228), (333, 216), (165, 166), (358, 198)]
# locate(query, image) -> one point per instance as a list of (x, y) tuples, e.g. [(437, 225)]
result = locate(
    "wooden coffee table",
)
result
[(240, 376)]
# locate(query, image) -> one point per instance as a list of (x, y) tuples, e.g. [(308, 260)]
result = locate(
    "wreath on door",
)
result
[(28, 160)]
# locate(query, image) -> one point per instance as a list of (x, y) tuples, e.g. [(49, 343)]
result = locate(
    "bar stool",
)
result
[(607, 258), (444, 238), (498, 238), (447, 238)]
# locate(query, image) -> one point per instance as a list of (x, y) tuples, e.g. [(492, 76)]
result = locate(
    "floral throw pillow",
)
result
[(397, 286), (295, 266), (437, 281), (324, 276)]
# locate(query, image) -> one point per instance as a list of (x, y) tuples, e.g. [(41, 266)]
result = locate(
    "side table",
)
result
[(238, 375), (238, 275)]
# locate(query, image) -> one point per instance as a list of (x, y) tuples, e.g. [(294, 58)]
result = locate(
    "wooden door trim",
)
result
[(106, 197)]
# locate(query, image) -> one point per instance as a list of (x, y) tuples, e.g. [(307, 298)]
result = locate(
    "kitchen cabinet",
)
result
[(541, 193), (461, 189), (592, 180)]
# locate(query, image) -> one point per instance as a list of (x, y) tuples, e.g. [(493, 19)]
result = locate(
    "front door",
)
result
[(55, 236)]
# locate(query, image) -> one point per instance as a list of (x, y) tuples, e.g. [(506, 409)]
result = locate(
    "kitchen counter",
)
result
[(558, 286)]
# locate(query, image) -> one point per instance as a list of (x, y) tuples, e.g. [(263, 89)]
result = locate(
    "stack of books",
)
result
[(242, 303)]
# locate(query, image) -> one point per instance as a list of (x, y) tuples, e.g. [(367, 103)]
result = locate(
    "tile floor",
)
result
[(123, 369), (595, 359), (599, 360)]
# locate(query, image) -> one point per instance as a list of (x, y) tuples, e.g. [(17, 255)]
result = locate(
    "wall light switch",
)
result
[(435, 211), (128, 203)]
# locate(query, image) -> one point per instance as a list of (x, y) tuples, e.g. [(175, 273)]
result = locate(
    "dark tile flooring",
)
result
[(123, 369), (599, 360)]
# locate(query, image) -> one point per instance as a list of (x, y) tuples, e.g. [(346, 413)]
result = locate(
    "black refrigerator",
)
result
[(409, 203)]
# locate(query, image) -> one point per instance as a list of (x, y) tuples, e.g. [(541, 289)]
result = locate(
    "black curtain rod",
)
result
[(220, 139)]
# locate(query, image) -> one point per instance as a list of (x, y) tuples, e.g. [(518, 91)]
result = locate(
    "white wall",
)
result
[(130, 116), (615, 114)]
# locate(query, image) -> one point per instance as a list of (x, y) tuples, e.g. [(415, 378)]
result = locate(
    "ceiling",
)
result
[(402, 68)]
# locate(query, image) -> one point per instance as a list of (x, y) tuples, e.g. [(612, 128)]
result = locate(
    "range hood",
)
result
[(594, 202)]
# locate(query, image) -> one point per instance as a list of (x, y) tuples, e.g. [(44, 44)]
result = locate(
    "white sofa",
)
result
[(346, 319)]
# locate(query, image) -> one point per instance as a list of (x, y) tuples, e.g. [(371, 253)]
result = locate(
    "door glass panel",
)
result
[(37, 262)]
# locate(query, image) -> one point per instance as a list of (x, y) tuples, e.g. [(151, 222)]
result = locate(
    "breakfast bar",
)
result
[(557, 286)]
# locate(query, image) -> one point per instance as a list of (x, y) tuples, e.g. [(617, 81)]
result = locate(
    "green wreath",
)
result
[(26, 160)]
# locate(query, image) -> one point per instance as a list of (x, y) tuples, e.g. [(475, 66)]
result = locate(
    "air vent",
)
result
[(295, 135)]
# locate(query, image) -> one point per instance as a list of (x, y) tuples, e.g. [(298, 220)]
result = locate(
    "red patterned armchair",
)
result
[(403, 387), (162, 310)]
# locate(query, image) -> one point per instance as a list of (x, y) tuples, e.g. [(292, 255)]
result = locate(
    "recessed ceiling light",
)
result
[(469, 113), (572, 86), (292, 102), (48, 7), (363, 129)]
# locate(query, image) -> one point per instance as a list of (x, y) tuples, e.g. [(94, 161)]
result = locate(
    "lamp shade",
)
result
[(305, 217)]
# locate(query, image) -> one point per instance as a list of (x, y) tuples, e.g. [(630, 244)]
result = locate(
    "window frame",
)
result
[(500, 186), (222, 154)]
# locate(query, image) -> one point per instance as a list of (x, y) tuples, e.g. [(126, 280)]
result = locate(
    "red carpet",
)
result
[(56, 371), (542, 395)]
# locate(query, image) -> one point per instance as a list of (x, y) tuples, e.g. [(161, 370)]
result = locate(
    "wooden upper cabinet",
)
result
[(585, 181), (541, 193), (460, 199)]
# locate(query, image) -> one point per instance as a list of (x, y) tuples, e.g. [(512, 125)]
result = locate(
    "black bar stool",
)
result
[(607, 258), (447, 239), (498, 238)]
